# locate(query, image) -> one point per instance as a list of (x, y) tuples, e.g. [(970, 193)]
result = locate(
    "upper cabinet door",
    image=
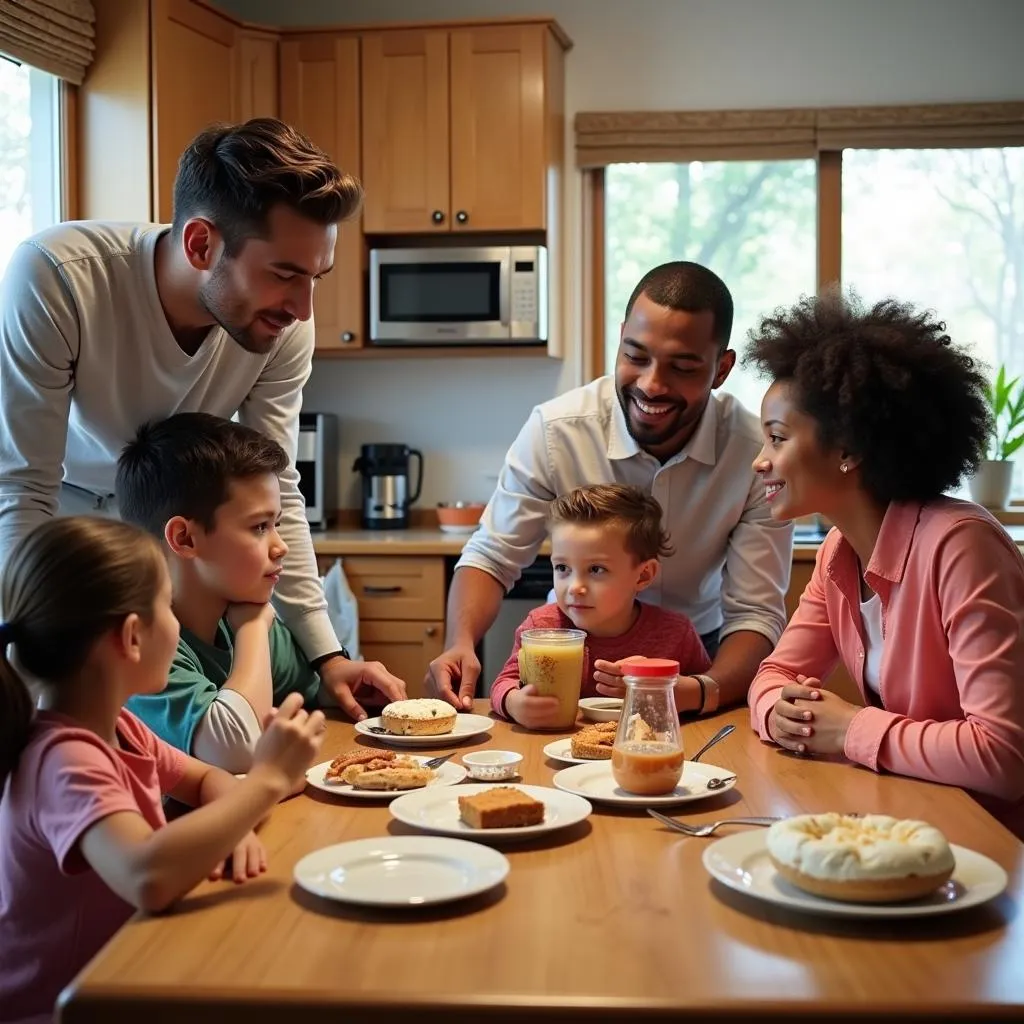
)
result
[(320, 97), (256, 65), (498, 128), (193, 85), (405, 131)]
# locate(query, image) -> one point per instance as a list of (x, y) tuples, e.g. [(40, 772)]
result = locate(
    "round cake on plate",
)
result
[(422, 716), (860, 859)]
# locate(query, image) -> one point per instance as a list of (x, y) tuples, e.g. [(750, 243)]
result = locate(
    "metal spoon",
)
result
[(717, 738), (720, 781)]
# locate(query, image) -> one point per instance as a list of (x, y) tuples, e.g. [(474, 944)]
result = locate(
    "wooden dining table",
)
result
[(613, 919)]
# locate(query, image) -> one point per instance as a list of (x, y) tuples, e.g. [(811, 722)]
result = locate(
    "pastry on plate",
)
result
[(860, 859), (501, 807), (594, 742), (351, 758), (402, 773), (378, 769), (421, 716)]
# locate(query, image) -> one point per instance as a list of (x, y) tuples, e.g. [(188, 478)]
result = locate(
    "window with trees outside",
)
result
[(904, 202), (30, 154)]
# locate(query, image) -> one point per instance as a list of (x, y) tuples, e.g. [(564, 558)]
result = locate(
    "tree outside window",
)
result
[(29, 154)]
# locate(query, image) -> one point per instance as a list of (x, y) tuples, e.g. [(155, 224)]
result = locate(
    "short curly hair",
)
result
[(885, 384)]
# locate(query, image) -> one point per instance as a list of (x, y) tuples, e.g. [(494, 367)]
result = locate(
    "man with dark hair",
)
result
[(654, 424), (105, 326)]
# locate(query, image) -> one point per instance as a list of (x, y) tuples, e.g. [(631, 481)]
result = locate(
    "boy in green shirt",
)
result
[(208, 488)]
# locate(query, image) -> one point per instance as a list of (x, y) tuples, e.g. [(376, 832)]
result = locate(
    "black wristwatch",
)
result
[(342, 652)]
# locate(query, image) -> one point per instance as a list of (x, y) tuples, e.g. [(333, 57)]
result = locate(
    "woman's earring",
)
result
[(844, 468)]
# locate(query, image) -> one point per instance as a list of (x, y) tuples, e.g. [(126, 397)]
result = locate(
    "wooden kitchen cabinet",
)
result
[(462, 128), (320, 97), (401, 611), (185, 38), (257, 74), (163, 71)]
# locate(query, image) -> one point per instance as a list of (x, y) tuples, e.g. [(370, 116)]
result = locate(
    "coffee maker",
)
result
[(385, 472)]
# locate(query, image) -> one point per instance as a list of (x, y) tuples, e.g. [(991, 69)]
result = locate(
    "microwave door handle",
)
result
[(505, 290)]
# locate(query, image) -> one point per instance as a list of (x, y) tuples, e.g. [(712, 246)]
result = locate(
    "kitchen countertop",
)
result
[(427, 541)]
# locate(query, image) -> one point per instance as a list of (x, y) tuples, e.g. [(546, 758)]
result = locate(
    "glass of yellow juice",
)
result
[(551, 660)]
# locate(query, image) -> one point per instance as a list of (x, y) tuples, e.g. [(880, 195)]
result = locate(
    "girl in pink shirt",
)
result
[(872, 415), (85, 841)]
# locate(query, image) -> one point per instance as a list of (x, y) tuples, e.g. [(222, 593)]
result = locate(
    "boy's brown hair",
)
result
[(630, 508), (185, 465)]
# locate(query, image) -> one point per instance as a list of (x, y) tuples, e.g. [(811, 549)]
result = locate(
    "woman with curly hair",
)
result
[(872, 415)]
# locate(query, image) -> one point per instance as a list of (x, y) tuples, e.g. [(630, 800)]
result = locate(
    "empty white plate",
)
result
[(401, 871), (466, 726), (447, 775), (437, 810), (594, 780), (741, 862)]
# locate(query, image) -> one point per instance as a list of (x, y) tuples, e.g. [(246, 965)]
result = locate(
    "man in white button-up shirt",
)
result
[(657, 425)]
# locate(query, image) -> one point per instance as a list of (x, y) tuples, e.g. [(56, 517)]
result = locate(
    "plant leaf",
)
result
[(1011, 446)]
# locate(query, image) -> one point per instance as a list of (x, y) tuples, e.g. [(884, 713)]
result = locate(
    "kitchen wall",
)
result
[(650, 54)]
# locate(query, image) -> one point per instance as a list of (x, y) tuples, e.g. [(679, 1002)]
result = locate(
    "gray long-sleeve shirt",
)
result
[(87, 356)]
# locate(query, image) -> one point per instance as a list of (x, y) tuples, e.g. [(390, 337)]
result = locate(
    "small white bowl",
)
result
[(493, 765), (601, 709)]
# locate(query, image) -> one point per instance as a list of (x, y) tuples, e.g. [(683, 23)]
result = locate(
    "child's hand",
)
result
[(290, 743), (243, 613), (531, 710), (609, 678), (248, 860)]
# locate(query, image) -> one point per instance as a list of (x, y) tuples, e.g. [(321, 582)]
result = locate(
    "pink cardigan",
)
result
[(951, 585)]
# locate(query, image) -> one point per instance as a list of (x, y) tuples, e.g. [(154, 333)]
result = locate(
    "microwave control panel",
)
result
[(528, 292)]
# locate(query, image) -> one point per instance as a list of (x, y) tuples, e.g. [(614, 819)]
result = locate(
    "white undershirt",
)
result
[(227, 734), (871, 614)]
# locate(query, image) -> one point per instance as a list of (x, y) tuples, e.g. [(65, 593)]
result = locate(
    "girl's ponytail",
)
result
[(15, 709)]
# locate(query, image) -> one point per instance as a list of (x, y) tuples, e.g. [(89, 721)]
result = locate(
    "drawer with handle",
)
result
[(397, 586)]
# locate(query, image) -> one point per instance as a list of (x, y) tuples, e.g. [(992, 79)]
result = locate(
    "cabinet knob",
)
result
[(431, 631), (462, 216), (437, 216), (348, 336)]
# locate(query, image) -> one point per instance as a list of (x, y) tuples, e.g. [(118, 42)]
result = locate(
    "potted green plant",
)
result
[(990, 485)]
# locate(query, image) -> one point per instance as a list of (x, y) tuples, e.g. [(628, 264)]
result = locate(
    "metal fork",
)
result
[(706, 830), (436, 762)]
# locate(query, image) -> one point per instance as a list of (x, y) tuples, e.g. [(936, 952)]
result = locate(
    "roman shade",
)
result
[(53, 35), (789, 133)]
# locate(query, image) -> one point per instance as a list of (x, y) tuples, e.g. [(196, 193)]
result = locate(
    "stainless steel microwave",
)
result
[(478, 295)]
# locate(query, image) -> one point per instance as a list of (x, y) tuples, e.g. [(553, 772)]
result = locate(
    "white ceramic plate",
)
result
[(741, 862), (458, 528), (447, 775), (401, 871), (561, 750), (437, 810), (465, 727), (601, 709), (594, 780)]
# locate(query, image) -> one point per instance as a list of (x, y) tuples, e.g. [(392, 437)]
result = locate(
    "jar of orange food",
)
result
[(647, 758)]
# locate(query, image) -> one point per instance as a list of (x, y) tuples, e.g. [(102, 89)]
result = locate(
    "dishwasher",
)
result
[(531, 590)]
